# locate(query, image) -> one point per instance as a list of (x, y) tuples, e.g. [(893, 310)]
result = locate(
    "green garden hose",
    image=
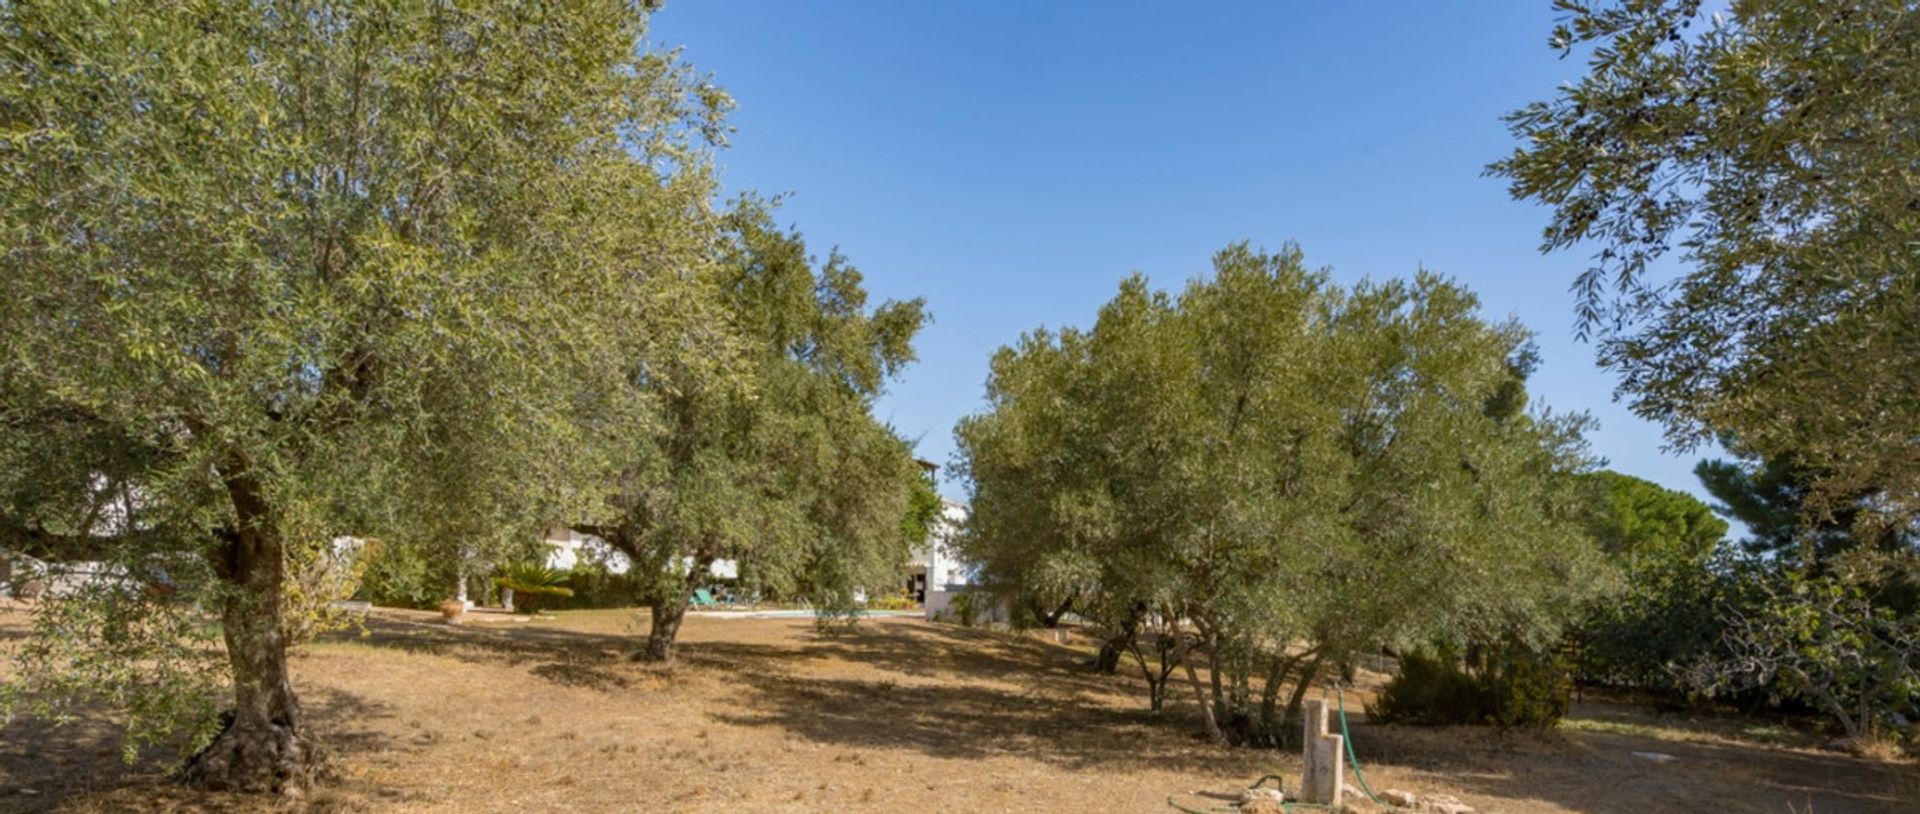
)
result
[(1351, 757)]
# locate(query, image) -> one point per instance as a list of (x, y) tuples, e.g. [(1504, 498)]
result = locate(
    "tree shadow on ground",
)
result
[(926, 650), (603, 660), (960, 693), (597, 661), (971, 722), (1020, 696), (970, 694), (941, 690), (46, 766), (520, 644), (1604, 772)]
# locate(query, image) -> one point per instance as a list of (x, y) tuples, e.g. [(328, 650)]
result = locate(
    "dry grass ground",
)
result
[(895, 715)]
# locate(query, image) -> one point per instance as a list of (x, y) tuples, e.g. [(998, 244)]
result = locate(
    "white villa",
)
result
[(933, 565)]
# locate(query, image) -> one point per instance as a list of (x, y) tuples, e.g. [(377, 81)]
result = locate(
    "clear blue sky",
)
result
[(1011, 161)]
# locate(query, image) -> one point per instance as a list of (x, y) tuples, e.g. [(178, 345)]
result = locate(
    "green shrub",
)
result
[(1432, 690), (1509, 687), (1666, 619), (596, 587), (1529, 689), (962, 609), (402, 576)]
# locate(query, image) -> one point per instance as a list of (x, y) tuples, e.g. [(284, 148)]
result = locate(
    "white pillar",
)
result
[(1324, 779), (460, 578)]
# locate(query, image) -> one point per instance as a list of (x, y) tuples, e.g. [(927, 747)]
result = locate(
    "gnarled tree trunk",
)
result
[(1111, 650), (670, 610), (1277, 669), (667, 615), (1051, 620), (1291, 726), (1199, 689), (263, 746), (1108, 661)]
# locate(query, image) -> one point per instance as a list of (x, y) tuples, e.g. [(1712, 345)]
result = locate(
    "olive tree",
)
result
[(272, 273), (1746, 180), (775, 462), (1745, 177), (1278, 473)]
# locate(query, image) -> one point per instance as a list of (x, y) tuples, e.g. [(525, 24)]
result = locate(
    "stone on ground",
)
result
[(1251, 795), (1445, 804)]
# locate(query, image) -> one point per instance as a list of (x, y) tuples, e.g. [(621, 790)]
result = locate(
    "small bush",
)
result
[(1530, 690), (1432, 690), (403, 576), (1508, 687), (1883, 747), (963, 609), (596, 587), (899, 601)]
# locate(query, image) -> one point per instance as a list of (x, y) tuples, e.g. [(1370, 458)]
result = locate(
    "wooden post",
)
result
[(1324, 778)]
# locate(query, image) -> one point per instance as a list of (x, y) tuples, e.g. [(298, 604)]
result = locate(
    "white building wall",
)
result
[(948, 576), (944, 567), (570, 548)]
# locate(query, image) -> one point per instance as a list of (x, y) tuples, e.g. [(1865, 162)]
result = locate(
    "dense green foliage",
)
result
[(398, 576), (594, 586), (1508, 687), (1643, 525), (1819, 609), (1274, 459), (272, 272), (777, 463), (1746, 177), (1770, 498), (1769, 150), (1431, 690), (1663, 543), (1831, 639)]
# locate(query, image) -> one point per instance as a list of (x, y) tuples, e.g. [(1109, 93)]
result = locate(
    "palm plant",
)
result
[(531, 579)]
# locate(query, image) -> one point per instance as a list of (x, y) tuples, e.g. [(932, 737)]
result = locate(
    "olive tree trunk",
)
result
[(669, 610), (263, 746), (1278, 666), (1290, 728), (1108, 661), (1199, 689), (667, 615), (1047, 619), (1116, 645)]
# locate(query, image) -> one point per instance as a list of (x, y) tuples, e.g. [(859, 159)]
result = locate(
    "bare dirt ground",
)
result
[(894, 715)]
